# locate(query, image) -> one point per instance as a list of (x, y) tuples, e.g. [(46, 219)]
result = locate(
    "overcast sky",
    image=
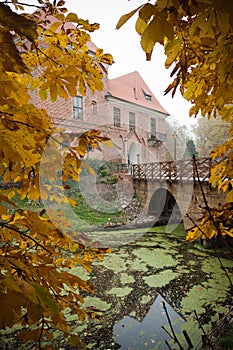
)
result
[(124, 45)]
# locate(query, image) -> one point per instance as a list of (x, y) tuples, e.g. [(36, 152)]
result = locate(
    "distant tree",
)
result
[(190, 150), (209, 133)]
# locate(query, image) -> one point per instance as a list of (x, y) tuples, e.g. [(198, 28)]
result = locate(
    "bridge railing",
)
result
[(180, 170)]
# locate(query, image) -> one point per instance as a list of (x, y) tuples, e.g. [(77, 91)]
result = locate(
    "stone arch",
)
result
[(164, 207)]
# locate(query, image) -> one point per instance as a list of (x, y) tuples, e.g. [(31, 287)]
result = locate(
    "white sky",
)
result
[(124, 45)]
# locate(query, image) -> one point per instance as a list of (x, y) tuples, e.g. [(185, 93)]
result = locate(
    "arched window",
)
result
[(94, 106)]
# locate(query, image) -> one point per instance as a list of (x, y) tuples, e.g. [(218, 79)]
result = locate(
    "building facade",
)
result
[(125, 110)]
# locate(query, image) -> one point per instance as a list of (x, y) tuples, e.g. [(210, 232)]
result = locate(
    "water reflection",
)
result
[(131, 333)]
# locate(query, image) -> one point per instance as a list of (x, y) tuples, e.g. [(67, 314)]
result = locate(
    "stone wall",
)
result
[(187, 195)]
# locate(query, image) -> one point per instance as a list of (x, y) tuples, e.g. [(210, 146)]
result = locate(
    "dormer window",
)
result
[(147, 96)]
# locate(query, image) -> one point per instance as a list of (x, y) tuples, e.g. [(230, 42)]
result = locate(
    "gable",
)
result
[(132, 88)]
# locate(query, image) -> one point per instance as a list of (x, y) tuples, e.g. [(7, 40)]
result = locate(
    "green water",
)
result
[(137, 276)]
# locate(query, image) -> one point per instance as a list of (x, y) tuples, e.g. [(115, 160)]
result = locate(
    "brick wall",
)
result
[(98, 114)]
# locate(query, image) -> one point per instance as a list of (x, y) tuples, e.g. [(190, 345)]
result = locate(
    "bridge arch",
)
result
[(164, 207)]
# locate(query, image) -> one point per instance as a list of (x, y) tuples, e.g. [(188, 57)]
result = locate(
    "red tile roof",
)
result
[(132, 88)]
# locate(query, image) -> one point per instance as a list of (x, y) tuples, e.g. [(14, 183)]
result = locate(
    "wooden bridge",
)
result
[(180, 170), (168, 188)]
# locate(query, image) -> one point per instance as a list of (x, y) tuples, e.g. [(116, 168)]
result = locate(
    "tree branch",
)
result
[(25, 235)]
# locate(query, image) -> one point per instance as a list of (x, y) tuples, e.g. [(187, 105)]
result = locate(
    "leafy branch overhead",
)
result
[(45, 51), (197, 37)]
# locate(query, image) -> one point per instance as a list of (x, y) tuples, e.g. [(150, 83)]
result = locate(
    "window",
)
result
[(131, 121), (117, 117), (147, 96), (78, 107), (153, 128), (94, 106)]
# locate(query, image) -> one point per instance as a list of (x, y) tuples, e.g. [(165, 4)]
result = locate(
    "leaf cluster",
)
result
[(214, 222), (45, 51)]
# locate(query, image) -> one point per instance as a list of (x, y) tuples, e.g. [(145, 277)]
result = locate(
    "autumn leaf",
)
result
[(126, 17), (76, 342), (10, 59), (37, 56), (17, 23)]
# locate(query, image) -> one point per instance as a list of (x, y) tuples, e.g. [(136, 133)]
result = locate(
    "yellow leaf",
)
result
[(43, 94), (229, 196), (140, 26), (71, 17), (33, 193), (152, 34), (54, 27), (53, 91), (82, 87), (126, 17)]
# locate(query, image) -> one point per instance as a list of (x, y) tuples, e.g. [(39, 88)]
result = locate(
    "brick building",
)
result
[(125, 110)]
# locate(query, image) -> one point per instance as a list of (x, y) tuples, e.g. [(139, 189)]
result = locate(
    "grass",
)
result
[(83, 211), (92, 216)]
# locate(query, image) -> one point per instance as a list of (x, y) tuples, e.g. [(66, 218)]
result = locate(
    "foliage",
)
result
[(209, 133), (105, 172), (226, 341), (41, 52), (190, 150), (214, 221), (197, 36)]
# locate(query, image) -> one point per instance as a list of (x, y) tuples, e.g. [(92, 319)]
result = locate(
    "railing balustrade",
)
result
[(179, 170)]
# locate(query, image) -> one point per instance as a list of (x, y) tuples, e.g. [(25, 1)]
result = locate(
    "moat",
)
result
[(152, 277), (139, 277)]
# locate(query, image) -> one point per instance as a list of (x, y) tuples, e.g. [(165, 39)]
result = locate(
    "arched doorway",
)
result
[(133, 151), (164, 208)]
